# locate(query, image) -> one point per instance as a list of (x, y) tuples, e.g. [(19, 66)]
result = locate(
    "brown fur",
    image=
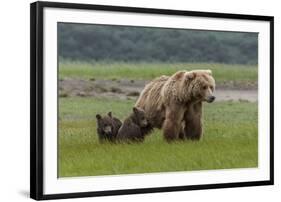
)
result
[(192, 124), (175, 103), (134, 128)]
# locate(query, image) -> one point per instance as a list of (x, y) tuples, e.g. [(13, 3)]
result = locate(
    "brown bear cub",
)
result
[(135, 127), (107, 127)]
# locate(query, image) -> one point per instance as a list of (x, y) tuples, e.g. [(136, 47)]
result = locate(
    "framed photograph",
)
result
[(131, 100)]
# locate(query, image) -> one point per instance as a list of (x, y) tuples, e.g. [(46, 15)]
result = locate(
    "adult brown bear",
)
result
[(174, 103)]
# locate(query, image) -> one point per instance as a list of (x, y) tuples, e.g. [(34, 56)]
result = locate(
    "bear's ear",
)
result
[(190, 75), (135, 110), (110, 114), (98, 116)]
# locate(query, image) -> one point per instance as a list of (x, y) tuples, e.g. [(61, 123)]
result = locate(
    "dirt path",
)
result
[(130, 89), (236, 95)]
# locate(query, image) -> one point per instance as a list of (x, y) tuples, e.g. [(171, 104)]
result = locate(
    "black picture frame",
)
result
[(36, 98)]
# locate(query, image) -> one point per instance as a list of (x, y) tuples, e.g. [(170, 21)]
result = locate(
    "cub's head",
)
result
[(200, 85), (105, 123), (139, 117)]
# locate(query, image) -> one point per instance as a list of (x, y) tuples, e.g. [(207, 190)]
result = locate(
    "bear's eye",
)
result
[(205, 87)]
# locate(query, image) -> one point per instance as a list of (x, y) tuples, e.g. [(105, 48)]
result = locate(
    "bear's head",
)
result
[(139, 117), (105, 123), (200, 85)]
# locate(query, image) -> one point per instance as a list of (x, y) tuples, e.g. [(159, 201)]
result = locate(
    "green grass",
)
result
[(230, 141), (222, 72)]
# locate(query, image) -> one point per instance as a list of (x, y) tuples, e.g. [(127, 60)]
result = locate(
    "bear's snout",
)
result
[(107, 129), (144, 123), (211, 99)]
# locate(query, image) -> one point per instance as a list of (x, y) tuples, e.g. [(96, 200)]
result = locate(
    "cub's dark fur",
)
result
[(107, 127), (135, 127)]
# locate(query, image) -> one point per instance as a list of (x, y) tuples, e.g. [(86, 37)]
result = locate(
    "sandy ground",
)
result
[(236, 95), (130, 89)]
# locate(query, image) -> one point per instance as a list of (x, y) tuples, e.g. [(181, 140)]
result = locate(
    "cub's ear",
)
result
[(190, 75), (109, 114), (98, 116), (135, 110)]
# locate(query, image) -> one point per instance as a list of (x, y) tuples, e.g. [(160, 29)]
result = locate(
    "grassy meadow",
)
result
[(230, 127), (148, 71), (230, 141)]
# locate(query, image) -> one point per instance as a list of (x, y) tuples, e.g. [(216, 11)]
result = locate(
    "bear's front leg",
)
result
[(193, 122), (172, 123)]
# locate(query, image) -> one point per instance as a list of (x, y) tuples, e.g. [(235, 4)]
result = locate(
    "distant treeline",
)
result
[(138, 44)]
